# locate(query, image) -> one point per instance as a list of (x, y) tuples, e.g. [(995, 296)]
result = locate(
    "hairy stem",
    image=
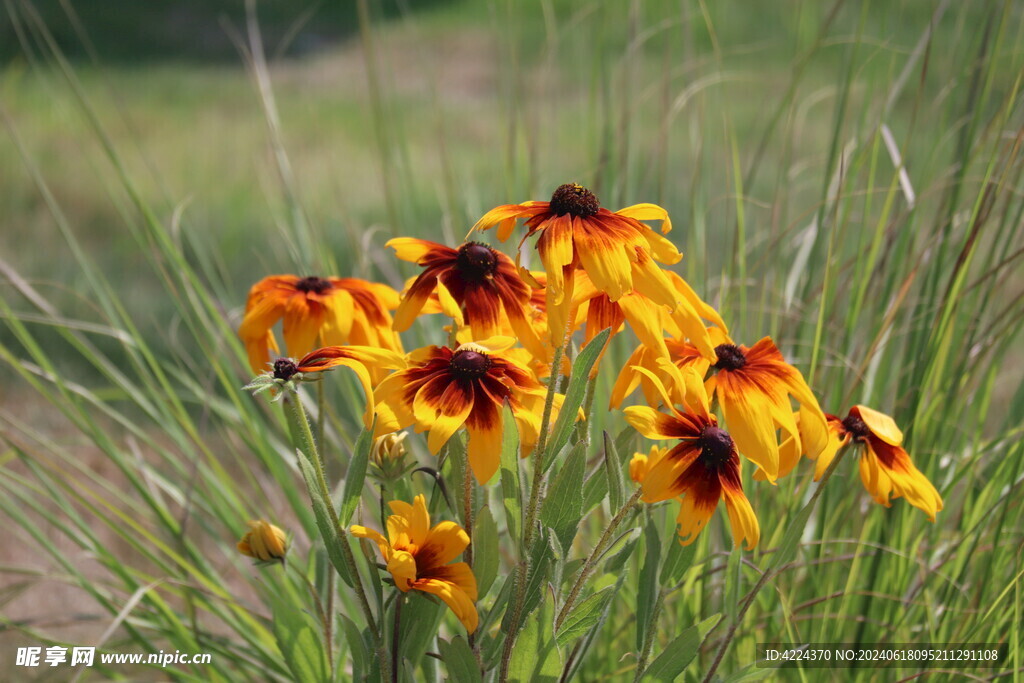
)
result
[(591, 562), (537, 460), (307, 446)]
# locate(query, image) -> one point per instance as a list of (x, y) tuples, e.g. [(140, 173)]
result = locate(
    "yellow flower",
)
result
[(417, 555), (332, 310), (473, 283), (363, 360), (702, 468), (444, 389), (615, 249), (753, 386), (885, 467), (264, 542)]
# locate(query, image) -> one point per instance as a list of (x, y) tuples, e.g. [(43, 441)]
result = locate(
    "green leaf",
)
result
[(536, 659), (647, 591), (613, 472), (677, 560), (459, 659), (595, 489), (355, 476), (485, 550), (359, 646), (511, 490), (680, 652), (574, 394), (618, 561), (331, 536), (299, 640), (563, 505), (584, 616), (421, 618)]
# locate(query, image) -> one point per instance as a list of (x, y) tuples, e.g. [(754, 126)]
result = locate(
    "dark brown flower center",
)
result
[(285, 369), (856, 427), (574, 199), (716, 446), (476, 261), (730, 357), (467, 364), (318, 285)]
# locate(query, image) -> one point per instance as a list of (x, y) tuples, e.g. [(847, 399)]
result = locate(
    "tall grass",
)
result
[(843, 177)]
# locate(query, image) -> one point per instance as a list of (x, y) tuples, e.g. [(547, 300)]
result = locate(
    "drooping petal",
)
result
[(373, 535), (748, 413), (456, 599), (449, 306), (414, 300), (742, 519), (905, 479)]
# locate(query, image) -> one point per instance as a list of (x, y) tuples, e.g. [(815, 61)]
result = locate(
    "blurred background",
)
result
[(841, 175)]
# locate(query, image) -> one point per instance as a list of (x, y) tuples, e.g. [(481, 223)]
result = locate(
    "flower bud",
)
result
[(264, 542), (389, 448)]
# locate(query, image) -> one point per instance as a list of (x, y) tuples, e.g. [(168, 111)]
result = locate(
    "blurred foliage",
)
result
[(187, 30)]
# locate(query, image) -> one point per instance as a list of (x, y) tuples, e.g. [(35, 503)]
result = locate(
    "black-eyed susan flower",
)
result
[(703, 467), (483, 283), (753, 386), (418, 556), (616, 250), (362, 360), (444, 389), (885, 467), (317, 311), (264, 542)]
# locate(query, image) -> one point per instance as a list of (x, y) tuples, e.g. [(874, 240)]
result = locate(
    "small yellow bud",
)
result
[(389, 447), (264, 542)]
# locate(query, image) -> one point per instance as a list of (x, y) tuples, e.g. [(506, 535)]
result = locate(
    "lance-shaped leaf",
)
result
[(355, 476), (680, 652), (331, 535), (485, 550), (584, 616), (574, 395), (459, 658), (563, 505)]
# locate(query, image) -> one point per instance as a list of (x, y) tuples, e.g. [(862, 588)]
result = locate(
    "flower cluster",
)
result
[(713, 402)]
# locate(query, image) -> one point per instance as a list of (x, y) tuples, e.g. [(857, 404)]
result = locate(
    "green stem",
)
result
[(467, 519), (529, 528), (537, 460), (307, 446), (395, 636), (591, 562), (768, 573), (645, 653)]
